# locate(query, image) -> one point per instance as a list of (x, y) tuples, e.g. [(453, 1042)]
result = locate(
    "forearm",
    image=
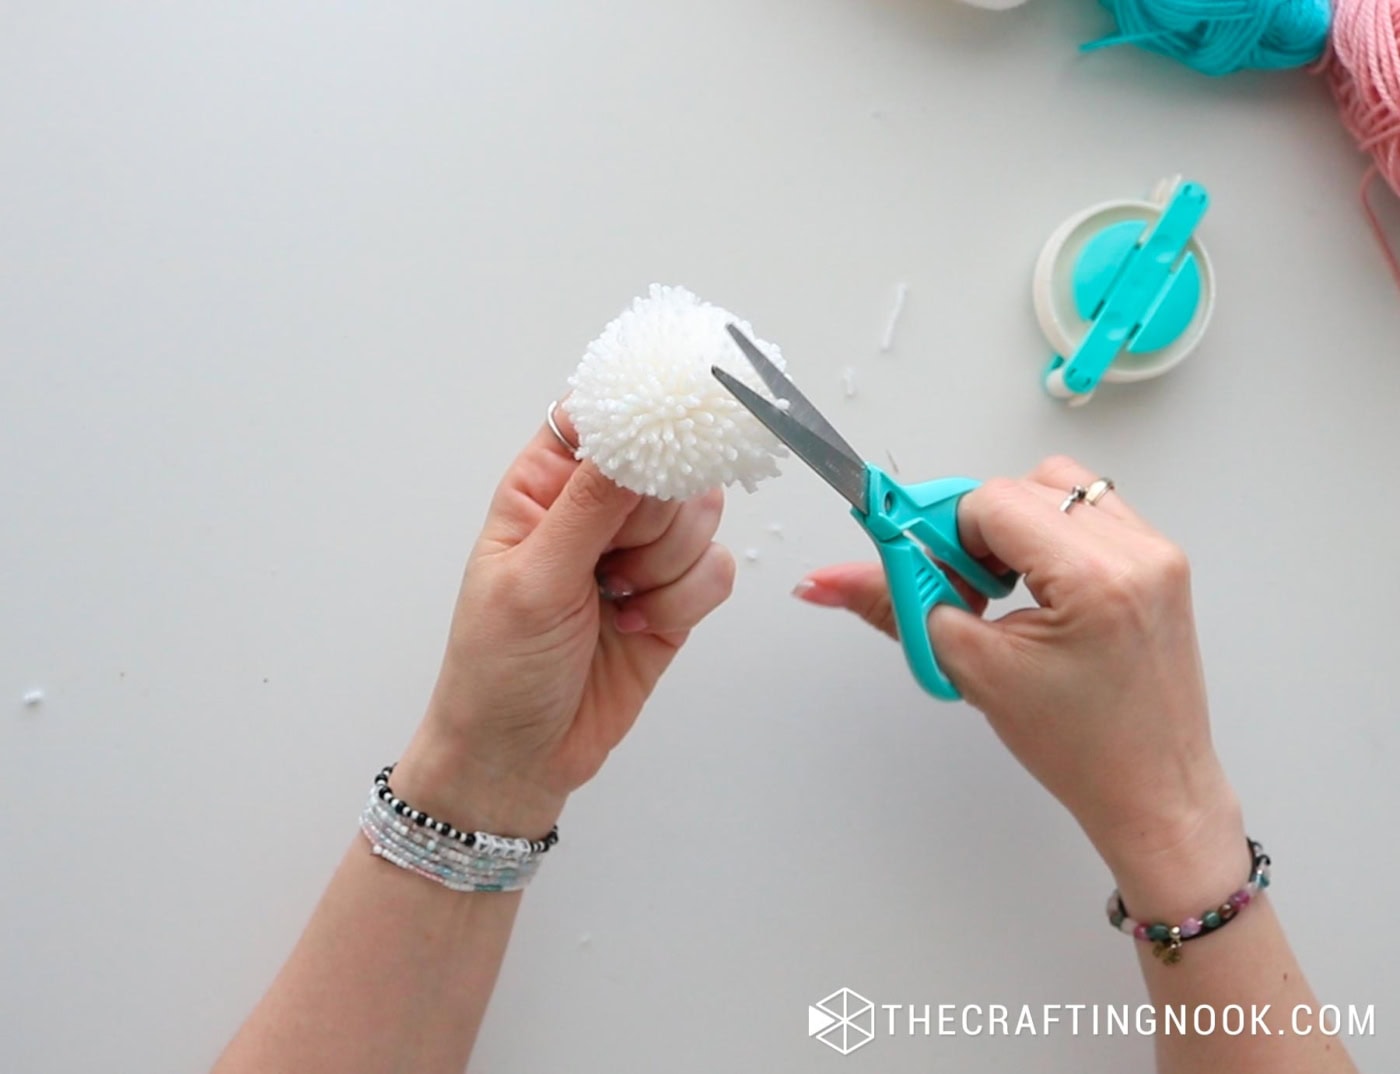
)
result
[(1248, 962), (394, 971)]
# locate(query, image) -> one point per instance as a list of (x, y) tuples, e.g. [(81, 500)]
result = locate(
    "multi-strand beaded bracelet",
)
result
[(1166, 939), (462, 861)]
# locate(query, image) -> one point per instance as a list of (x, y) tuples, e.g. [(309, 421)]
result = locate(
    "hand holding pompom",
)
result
[(649, 414)]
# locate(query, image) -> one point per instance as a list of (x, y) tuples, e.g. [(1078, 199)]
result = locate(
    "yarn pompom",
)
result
[(1217, 37), (648, 411)]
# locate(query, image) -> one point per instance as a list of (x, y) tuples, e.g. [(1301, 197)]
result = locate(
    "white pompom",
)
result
[(650, 414)]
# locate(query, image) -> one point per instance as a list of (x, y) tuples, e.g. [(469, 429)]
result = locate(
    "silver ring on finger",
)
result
[(1078, 494), (1098, 490), (554, 428)]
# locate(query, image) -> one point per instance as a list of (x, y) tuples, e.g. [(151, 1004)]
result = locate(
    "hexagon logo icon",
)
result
[(844, 1021)]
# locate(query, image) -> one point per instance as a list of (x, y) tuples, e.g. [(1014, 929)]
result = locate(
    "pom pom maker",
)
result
[(1124, 290)]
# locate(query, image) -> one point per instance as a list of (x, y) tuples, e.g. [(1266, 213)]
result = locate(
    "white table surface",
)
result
[(286, 285)]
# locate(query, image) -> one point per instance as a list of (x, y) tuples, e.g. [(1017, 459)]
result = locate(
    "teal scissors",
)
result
[(914, 527)]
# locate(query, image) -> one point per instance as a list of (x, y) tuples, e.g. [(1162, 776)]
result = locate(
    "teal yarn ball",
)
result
[(1218, 37)]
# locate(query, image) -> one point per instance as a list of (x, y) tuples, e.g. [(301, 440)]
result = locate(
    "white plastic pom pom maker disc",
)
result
[(1124, 290)]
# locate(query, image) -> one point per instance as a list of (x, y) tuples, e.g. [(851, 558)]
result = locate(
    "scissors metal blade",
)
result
[(801, 407), (837, 465)]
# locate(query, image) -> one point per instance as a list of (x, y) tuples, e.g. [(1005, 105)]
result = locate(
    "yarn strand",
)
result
[(1368, 182)]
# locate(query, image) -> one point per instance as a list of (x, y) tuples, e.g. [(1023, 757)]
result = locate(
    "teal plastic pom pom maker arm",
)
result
[(1124, 290), (914, 527)]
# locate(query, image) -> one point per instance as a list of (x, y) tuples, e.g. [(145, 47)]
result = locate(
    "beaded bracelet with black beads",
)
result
[(1167, 939), (462, 861), (468, 839)]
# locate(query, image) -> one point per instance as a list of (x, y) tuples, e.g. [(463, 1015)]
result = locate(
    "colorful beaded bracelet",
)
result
[(462, 861), (1166, 939)]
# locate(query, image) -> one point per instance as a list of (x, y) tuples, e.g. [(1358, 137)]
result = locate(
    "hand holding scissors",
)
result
[(914, 527)]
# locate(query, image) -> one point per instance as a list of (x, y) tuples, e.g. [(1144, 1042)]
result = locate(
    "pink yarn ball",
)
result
[(1364, 71)]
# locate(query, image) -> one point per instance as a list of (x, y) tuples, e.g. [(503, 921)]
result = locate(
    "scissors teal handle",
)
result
[(914, 527)]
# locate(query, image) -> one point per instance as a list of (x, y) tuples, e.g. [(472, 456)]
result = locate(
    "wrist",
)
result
[(443, 775), (1183, 863)]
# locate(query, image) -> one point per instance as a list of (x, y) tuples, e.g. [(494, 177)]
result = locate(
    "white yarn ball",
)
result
[(650, 414)]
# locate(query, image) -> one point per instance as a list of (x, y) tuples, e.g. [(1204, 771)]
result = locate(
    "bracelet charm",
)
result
[(1167, 939)]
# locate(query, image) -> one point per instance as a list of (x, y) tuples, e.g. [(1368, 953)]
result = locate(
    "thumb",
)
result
[(970, 650), (580, 525)]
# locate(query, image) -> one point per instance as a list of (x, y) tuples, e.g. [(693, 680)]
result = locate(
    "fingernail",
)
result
[(614, 588), (630, 621), (815, 593)]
